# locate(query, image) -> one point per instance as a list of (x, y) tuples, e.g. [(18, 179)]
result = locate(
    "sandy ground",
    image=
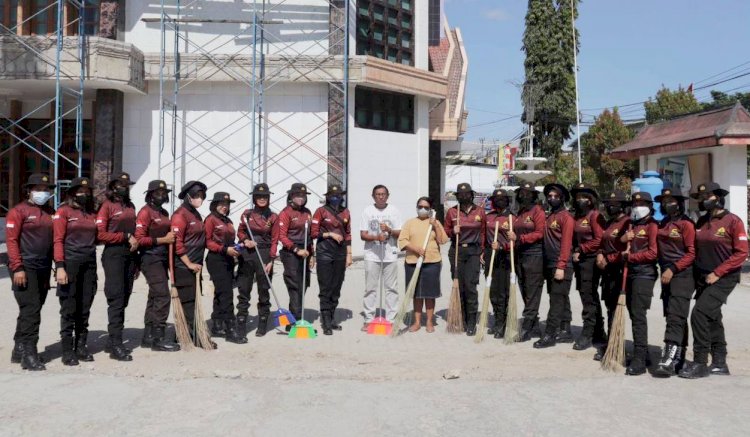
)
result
[(352, 383)]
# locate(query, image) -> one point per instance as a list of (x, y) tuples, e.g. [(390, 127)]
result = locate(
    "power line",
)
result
[(494, 121), (723, 72)]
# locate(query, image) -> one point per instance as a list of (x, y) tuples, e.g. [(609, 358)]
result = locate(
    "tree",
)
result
[(668, 104), (607, 132), (548, 93), (723, 99)]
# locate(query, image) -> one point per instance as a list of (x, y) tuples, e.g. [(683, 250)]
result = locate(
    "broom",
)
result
[(455, 320), (302, 328), (202, 335), (511, 316), (180, 322), (410, 289), (614, 357), (486, 302)]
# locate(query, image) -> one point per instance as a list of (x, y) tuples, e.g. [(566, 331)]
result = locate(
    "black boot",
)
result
[(548, 340), (232, 335), (695, 370), (471, 325), (500, 331), (529, 331), (117, 351), (564, 335), (637, 365), (218, 329), (600, 351), (82, 349), (242, 323), (719, 364), (17, 354), (160, 344), (30, 359), (668, 363), (68, 352), (335, 326), (326, 322), (262, 326), (148, 336), (582, 343)]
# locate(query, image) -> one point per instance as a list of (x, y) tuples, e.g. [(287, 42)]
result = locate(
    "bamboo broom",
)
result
[(486, 301), (511, 315), (181, 329), (454, 319), (614, 357), (202, 335)]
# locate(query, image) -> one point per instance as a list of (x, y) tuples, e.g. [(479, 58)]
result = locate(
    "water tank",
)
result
[(651, 183)]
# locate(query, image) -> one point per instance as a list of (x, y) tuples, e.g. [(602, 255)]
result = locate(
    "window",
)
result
[(9, 12), (383, 110), (384, 30)]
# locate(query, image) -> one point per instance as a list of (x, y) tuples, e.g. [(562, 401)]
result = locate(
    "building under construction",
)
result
[(231, 92)]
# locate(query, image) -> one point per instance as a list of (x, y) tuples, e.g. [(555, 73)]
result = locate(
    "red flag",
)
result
[(690, 88)]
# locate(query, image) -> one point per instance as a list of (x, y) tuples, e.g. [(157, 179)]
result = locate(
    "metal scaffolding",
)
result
[(246, 65)]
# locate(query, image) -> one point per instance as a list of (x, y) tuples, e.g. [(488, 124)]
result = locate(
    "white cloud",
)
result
[(495, 14)]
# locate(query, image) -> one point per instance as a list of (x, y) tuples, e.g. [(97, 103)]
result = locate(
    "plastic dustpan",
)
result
[(379, 326), (282, 317), (302, 329)]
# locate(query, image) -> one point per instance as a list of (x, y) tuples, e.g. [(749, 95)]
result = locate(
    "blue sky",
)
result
[(628, 50)]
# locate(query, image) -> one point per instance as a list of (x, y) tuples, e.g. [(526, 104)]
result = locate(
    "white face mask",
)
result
[(196, 202), (423, 212), (639, 212), (40, 197)]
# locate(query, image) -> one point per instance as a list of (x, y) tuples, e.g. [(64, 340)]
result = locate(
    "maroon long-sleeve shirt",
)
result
[(676, 243), (612, 246), (326, 219), (643, 249), (529, 229), (588, 233), (220, 233), (74, 233), (290, 230), (190, 236), (721, 244), (152, 223), (28, 234), (558, 239), (115, 222), (472, 225), (261, 224), (502, 218)]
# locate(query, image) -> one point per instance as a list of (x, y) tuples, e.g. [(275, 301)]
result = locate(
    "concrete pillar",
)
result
[(108, 122), (435, 177), (109, 12)]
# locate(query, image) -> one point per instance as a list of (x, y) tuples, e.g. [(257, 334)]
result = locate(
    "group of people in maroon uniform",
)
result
[(152, 243)]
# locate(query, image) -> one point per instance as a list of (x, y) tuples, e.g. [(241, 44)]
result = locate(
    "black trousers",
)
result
[(119, 273), (587, 279), (186, 289), (530, 270), (159, 299), (500, 287), (76, 297), (676, 302), (30, 300), (331, 272), (706, 318), (611, 287), (558, 292), (468, 276), (293, 268), (640, 292), (221, 269), (251, 270)]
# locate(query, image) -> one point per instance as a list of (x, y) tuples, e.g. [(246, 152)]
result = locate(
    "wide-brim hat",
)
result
[(79, 182), (616, 196), (221, 196), (298, 188), (464, 188), (190, 185), (528, 186), (585, 189), (261, 189), (157, 185), (334, 189), (120, 177), (40, 179), (499, 192), (670, 192), (709, 187), (559, 188), (641, 196)]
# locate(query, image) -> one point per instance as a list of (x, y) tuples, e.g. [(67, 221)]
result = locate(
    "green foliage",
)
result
[(723, 99), (600, 169), (668, 104)]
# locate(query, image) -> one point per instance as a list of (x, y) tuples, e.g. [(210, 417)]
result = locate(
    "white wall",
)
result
[(481, 179), (421, 34)]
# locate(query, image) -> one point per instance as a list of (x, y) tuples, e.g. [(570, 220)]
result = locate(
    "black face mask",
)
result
[(160, 200), (82, 199), (554, 203), (614, 210), (525, 198), (670, 209), (122, 191), (500, 202), (709, 204), (583, 204), (465, 199)]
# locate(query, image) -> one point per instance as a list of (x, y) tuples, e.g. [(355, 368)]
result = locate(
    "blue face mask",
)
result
[(335, 200)]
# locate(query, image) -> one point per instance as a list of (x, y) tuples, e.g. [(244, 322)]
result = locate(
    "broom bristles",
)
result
[(182, 331), (202, 336), (455, 319), (511, 316), (404, 307), (614, 357), (485, 313)]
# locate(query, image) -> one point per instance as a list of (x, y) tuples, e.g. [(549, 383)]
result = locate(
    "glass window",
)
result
[(379, 24), (384, 110)]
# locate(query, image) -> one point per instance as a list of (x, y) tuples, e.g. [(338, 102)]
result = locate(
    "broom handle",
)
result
[(171, 263), (625, 268), (512, 248), (304, 271), (458, 223), (262, 263), (382, 270), (492, 258)]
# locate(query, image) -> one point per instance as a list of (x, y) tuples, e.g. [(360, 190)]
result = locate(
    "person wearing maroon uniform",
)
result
[(558, 260), (676, 245), (28, 233), (261, 220), (190, 244), (720, 249), (500, 286), (609, 258), (528, 233), (641, 260), (290, 232), (332, 228), (220, 241), (115, 225), (154, 235), (74, 234), (587, 239), (466, 220)]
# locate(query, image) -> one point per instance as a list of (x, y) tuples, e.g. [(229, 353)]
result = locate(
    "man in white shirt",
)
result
[(379, 229)]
